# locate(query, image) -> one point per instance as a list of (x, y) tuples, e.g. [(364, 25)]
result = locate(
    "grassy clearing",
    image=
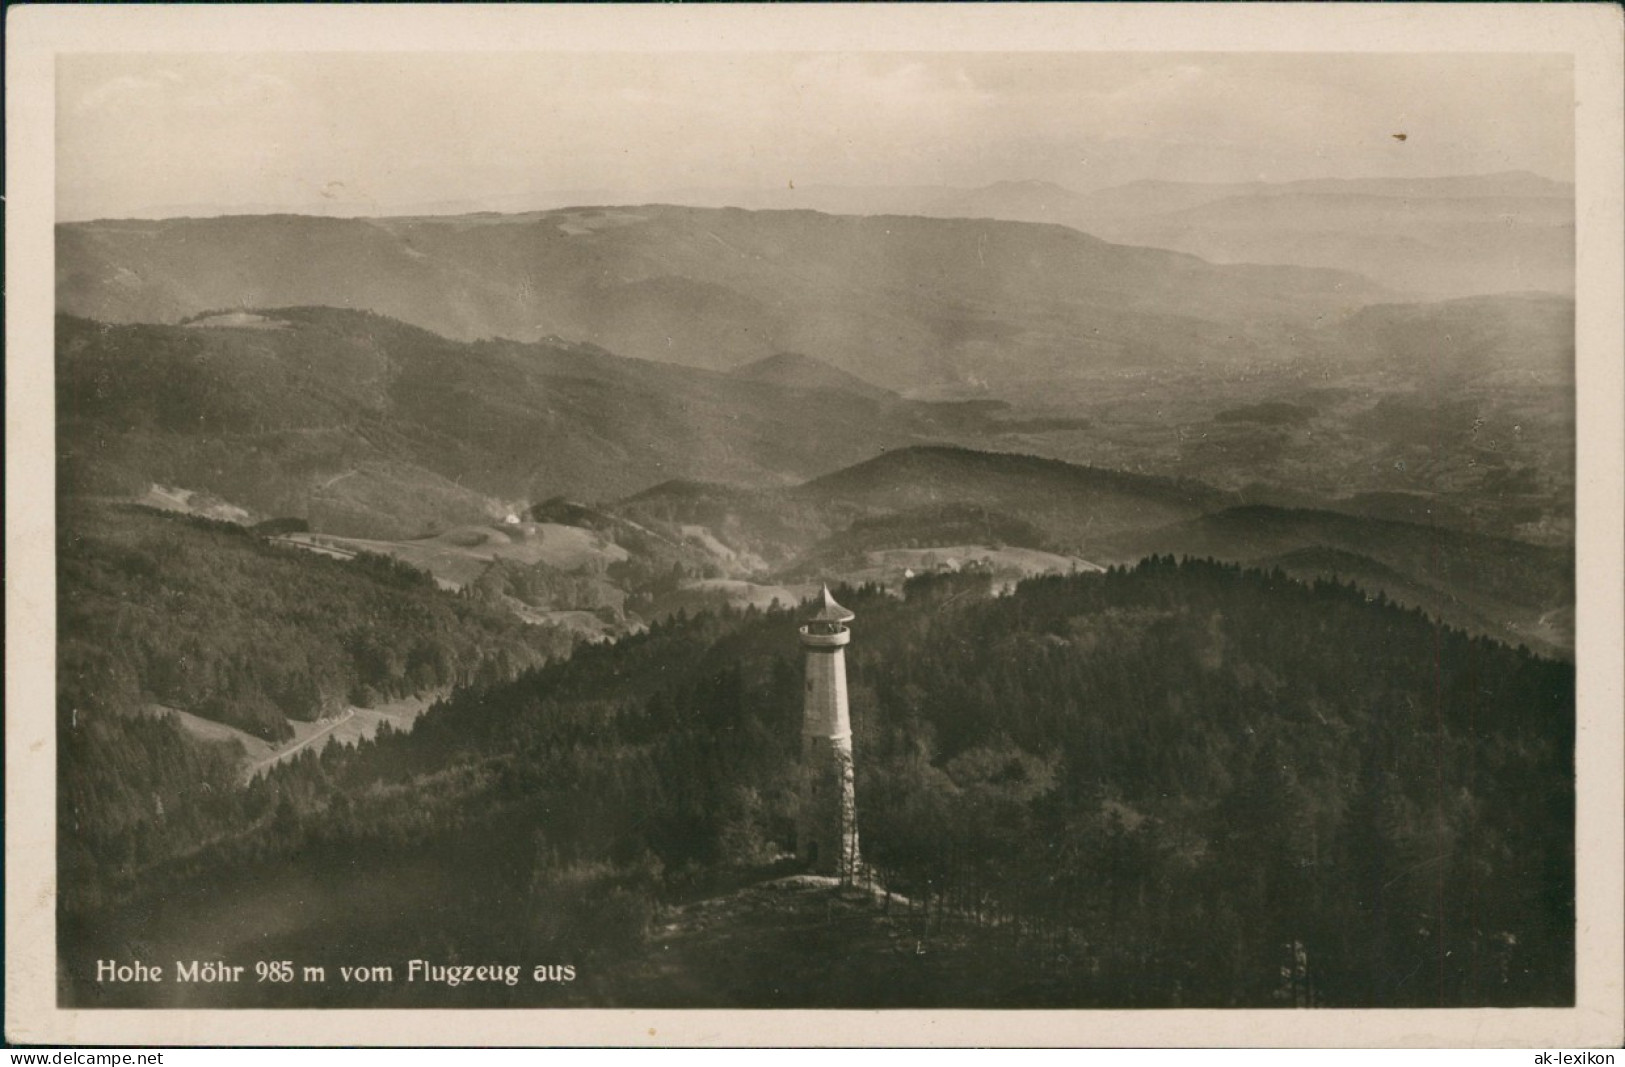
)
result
[(460, 555), (348, 727)]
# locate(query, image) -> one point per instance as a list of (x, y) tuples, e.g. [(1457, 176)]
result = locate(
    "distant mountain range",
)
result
[(1440, 237), (899, 301), (1447, 236)]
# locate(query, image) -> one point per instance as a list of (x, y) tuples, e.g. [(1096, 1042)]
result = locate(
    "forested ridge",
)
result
[(1185, 775), (159, 611), (208, 616)]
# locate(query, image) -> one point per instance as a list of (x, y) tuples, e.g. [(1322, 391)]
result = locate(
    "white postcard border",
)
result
[(1589, 32)]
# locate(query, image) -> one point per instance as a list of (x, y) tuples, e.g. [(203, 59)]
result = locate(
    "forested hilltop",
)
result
[(1151, 787)]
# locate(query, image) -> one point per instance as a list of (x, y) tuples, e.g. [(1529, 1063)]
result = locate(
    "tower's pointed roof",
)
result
[(829, 611)]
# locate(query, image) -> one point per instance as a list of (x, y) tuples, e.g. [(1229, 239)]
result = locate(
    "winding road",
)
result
[(277, 757)]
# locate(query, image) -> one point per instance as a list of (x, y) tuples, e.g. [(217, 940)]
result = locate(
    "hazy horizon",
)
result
[(350, 134)]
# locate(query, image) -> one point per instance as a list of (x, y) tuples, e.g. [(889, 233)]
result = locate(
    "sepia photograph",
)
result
[(663, 512)]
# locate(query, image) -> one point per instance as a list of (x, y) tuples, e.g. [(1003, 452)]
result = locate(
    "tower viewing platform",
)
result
[(827, 628), (814, 638)]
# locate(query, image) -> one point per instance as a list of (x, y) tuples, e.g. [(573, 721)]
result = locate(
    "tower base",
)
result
[(827, 829)]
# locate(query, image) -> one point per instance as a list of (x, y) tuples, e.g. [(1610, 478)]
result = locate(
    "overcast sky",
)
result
[(143, 135)]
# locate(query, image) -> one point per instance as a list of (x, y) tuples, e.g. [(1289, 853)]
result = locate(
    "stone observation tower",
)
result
[(827, 830)]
